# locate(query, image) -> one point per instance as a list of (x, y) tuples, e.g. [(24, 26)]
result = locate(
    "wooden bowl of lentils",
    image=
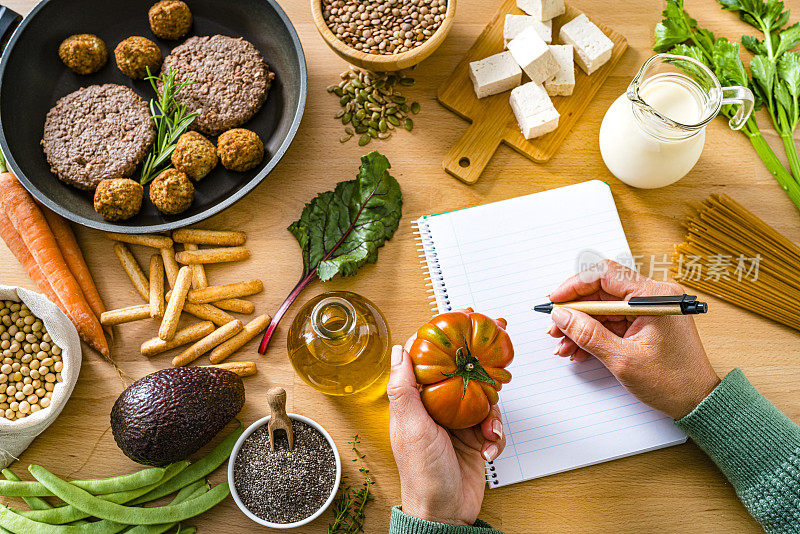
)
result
[(383, 35)]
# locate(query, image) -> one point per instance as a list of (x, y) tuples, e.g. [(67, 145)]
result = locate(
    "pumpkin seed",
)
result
[(360, 114), (331, 88), (348, 131), (373, 124), (415, 108), (344, 100), (391, 111), (364, 140), (345, 138), (408, 124), (404, 108), (399, 99), (384, 135), (346, 118), (339, 114), (358, 83), (372, 132), (360, 129), (382, 125), (407, 81), (393, 119), (338, 92)]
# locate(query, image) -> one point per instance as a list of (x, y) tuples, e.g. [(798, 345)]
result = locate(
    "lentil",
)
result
[(284, 486), (384, 26), (28, 355)]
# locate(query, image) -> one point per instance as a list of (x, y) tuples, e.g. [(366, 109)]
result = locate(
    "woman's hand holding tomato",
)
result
[(442, 473)]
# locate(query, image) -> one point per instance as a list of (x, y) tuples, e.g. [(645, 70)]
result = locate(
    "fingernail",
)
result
[(497, 428), (397, 355), (560, 317), (490, 453)]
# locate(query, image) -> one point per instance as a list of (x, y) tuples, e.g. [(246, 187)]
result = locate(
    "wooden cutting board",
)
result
[(493, 120)]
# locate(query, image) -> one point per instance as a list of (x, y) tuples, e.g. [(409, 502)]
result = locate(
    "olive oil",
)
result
[(339, 343)]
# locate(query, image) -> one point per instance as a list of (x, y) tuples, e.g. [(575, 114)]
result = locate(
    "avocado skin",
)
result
[(167, 416)]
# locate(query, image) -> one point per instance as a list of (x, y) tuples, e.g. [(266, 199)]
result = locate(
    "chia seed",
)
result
[(284, 486)]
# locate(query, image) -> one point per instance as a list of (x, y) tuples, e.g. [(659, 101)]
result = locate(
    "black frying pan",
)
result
[(32, 79)]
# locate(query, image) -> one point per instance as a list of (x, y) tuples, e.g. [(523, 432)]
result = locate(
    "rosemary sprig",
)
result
[(171, 119), (349, 505)]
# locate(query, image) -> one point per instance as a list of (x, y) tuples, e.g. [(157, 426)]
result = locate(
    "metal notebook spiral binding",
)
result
[(430, 264)]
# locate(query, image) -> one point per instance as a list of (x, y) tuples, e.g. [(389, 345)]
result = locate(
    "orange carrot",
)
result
[(74, 258), (27, 218), (18, 248)]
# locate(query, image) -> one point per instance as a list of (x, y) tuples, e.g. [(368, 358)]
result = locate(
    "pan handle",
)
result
[(9, 20)]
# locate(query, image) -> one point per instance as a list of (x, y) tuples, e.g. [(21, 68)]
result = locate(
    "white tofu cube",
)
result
[(495, 74), (592, 46), (515, 24), (533, 55), (542, 9), (563, 83), (534, 110)]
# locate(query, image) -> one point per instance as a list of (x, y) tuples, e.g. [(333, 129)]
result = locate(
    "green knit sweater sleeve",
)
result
[(402, 523), (755, 446)]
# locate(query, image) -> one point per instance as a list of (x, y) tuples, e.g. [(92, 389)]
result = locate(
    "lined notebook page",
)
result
[(503, 258)]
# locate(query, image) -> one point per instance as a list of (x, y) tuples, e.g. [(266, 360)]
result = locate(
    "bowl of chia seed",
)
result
[(284, 489)]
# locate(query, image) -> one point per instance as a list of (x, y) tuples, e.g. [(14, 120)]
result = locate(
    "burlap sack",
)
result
[(15, 436)]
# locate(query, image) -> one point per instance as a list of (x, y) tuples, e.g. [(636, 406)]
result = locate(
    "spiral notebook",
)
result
[(501, 259)]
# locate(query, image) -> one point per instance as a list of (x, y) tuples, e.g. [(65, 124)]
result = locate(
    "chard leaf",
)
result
[(341, 230), (789, 72)]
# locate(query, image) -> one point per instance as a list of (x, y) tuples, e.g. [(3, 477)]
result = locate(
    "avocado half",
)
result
[(167, 416)]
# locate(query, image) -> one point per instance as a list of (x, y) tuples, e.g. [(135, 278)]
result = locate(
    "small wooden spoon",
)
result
[(276, 398)]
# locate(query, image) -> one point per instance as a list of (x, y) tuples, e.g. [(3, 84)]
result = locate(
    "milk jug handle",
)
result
[(744, 98)]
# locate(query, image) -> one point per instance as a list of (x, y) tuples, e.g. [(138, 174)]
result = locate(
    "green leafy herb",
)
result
[(171, 119), (349, 505), (774, 71), (341, 230)]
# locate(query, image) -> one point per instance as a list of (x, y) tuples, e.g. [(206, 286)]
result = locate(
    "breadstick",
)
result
[(125, 315), (236, 305), (228, 291), (170, 265), (249, 331), (154, 346), (212, 255), (156, 286), (207, 343), (131, 267), (209, 237), (199, 278), (207, 312), (173, 312), (148, 240), (242, 369)]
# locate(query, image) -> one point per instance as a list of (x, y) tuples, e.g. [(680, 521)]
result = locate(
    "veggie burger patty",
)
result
[(97, 132), (230, 80)]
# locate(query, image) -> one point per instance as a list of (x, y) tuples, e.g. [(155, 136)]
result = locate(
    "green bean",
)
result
[(22, 525), (67, 514), (104, 509), (201, 468), (133, 481), (186, 494), (35, 503)]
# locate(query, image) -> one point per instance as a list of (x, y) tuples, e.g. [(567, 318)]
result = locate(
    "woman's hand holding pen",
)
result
[(660, 360)]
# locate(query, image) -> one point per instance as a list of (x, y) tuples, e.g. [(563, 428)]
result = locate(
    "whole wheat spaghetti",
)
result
[(730, 253)]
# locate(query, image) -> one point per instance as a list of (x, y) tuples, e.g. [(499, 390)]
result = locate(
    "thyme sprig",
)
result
[(350, 504), (171, 119)]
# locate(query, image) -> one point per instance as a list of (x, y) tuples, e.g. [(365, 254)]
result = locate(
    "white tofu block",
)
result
[(563, 83), (542, 9), (495, 74), (534, 110), (515, 24), (592, 46), (533, 55)]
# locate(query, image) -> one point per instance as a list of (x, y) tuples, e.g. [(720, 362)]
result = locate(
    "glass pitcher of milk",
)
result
[(653, 135)]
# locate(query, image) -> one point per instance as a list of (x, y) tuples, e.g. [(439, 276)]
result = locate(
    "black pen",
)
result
[(665, 305)]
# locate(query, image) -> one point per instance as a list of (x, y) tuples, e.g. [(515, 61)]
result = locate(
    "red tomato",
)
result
[(459, 360)]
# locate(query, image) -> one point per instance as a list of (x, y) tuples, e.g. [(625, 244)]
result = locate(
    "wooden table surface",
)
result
[(672, 490)]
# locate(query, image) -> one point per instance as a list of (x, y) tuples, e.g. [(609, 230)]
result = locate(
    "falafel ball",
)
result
[(118, 199), (172, 192), (83, 53), (195, 155), (170, 19), (135, 55), (240, 149)]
